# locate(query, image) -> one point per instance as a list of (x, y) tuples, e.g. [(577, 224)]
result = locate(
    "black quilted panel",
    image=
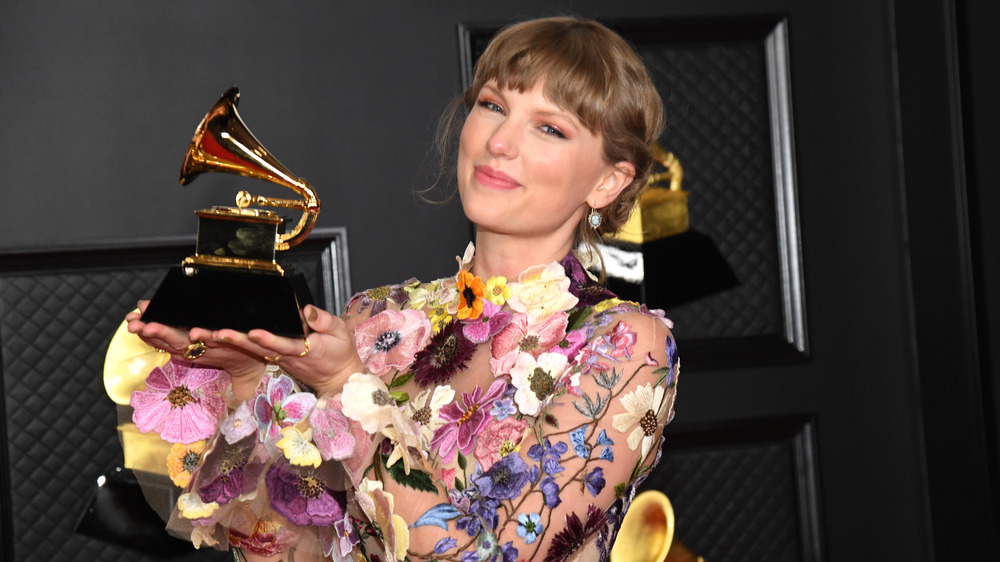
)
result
[(736, 501), (718, 126), (60, 423)]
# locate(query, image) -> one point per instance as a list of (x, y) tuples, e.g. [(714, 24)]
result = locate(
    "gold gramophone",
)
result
[(233, 280)]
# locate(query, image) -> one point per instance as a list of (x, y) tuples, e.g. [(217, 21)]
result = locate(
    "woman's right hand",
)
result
[(245, 366)]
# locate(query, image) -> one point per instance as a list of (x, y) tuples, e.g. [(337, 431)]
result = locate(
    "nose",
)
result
[(503, 142)]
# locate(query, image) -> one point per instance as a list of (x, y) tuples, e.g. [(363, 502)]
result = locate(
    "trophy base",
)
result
[(215, 298)]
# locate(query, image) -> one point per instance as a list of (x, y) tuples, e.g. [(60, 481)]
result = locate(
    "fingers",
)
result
[(319, 320)]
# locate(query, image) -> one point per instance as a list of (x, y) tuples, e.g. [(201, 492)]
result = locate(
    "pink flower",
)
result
[(280, 407), (499, 439), (521, 335), (572, 343), (489, 322), (331, 430), (181, 402), (391, 338), (621, 339), (463, 425)]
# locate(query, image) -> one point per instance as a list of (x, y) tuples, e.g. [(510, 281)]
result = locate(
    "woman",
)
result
[(507, 412)]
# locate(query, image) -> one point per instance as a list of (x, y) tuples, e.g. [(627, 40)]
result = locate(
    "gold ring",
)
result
[(195, 349), (272, 359), (306, 350)]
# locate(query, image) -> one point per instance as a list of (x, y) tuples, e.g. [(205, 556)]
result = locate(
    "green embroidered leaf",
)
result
[(400, 381), (400, 397), (664, 373), (577, 317), (619, 489), (459, 485), (416, 479), (462, 462)]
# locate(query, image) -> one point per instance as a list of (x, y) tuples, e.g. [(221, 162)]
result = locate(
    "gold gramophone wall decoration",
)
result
[(233, 279)]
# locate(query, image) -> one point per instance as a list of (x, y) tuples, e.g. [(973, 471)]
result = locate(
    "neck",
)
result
[(501, 254)]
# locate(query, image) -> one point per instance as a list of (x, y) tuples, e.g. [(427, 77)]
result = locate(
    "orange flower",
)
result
[(182, 461), (470, 296)]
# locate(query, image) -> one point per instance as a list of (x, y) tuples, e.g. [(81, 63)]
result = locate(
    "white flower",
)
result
[(425, 410), (645, 408), (536, 380), (367, 401), (540, 291), (192, 507)]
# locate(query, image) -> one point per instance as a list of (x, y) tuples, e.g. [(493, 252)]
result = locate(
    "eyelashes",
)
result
[(546, 128)]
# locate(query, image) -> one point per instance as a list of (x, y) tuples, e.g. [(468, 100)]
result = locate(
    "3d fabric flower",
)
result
[(181, 402), (280, 406), (391, 339)]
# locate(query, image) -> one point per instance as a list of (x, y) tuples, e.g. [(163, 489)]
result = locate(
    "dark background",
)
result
[(893, 406)]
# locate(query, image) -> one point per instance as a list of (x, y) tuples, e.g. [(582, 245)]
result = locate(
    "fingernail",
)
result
[(313, 315)]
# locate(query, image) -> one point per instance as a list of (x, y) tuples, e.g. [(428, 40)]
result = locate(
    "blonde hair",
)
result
[(591, 71)]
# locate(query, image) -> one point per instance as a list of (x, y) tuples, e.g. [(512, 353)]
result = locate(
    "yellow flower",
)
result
[(182, 461), (192, 507), (439, 318), (298, 447), (606, 304), (470, 301), (497, 291)]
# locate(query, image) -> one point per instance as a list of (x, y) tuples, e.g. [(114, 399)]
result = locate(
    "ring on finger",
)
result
[(306, 350), (274, 359), (195, 349)]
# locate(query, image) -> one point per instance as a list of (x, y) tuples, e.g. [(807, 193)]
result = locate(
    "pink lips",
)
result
[(494, 178)]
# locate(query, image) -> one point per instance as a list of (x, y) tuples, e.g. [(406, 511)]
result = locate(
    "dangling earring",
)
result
[(594, 218)]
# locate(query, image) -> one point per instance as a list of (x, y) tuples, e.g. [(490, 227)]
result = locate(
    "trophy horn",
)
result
[(223, 143)]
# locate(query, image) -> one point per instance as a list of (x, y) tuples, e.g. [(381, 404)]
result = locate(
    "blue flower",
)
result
[(595, 481), (536, 452), (503, 408), (529, 526), (606, 453), (579, 440), (533, 474), (551, 491), (504, 480), (444, 545)]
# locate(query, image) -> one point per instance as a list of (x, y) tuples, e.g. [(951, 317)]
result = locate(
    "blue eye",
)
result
[(552, 131), (489, 106)]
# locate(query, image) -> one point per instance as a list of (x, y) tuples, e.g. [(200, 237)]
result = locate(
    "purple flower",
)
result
[(280, 406), (463, 424), (379, 297), (444, 545), (444, 356), (303, 495), (581, 285), (551, 466), (229, 471), (572, 343), (595, 481), (551, 491), (574, 534), (509, 552), (504, 480), (503, 408)]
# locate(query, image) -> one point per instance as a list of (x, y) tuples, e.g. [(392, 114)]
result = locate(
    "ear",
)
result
[(612, 183)]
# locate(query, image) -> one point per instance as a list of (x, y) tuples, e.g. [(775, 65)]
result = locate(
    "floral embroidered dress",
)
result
[(496, 420)]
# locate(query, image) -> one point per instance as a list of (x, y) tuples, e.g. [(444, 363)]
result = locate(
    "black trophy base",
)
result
[(216, 298)]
